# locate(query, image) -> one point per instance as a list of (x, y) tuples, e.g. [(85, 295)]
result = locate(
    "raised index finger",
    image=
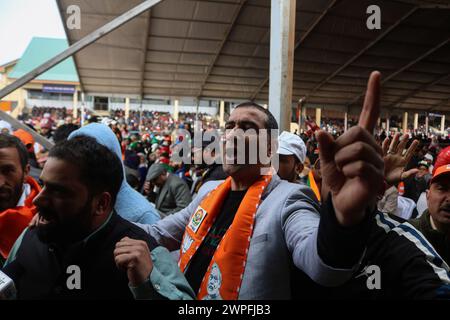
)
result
[(371, 108)]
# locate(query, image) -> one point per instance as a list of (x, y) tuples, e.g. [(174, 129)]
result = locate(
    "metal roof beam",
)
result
[(79, 45), (362, 51), (18, 125), (75, 60), (421, 57), (144, 53), (307, 33), (422, 88), (114, 46), (444, 102)]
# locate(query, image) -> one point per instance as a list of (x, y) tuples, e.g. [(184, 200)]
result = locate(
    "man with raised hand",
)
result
[(240, 238)]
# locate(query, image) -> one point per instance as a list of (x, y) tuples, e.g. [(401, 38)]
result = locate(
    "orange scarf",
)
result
[(313, 185), (224, 275), (13, 221)]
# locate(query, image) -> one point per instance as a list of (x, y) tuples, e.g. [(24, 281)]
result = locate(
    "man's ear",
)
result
[(272, 146), (26, 171), (299, 167), (103, 203)]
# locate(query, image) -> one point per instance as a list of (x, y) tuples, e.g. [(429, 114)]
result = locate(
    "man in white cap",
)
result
[(292, 153), (5, 127), (429, 158)]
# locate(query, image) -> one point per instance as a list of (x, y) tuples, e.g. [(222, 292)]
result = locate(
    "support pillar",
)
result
[(175, 110), (222, 114), (75, 105), (416, 121), (318, 116), (127, 108), (405, 123), (282, 42)]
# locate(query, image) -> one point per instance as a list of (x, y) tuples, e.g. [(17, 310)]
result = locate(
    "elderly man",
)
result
[(292, 153), (173, 193), (435, 221), (398, 262), (17, 192)]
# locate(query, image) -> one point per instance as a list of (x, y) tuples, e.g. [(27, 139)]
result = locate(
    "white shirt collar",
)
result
[(25, 193)]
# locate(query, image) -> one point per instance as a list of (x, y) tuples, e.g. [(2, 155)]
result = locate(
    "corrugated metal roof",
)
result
[(40, 50), (220, 49)]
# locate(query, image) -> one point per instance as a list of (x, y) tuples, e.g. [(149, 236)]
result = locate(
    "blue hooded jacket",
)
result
[(130, 204)]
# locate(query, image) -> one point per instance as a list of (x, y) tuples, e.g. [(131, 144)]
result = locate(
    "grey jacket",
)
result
[(285, 233), (173, 196)]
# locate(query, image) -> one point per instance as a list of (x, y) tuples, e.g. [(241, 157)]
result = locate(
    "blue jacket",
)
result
[(130, 204)]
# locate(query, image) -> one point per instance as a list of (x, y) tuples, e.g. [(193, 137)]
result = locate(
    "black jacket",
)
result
[(409, 267), (40, 271), (439, 240)]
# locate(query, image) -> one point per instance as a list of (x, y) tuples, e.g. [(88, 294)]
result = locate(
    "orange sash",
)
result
[(312, 184), (224, 275), (13, 221)]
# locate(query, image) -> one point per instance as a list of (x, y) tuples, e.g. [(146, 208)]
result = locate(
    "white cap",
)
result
[(106, 121), (429, 157), (291, 144), (5, 125)]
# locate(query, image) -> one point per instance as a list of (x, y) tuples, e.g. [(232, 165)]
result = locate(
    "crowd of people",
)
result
[(337, 212)]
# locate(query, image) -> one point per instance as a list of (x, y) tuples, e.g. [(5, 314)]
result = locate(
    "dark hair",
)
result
[(63, 132), (271, 123), (9, 141), (101, 169), (133, 181)]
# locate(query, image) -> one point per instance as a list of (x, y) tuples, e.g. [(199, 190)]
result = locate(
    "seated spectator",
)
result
[(173, 193)]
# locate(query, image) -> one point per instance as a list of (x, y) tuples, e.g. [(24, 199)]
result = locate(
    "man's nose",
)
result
[(41, 199)]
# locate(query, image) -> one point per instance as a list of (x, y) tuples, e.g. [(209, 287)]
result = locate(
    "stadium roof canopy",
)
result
[(40, 50), (220, 49)]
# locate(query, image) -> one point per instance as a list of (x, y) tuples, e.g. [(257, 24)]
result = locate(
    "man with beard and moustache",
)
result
[(17, 191), (80, 231), (248, 232), (243, 238), (435, 221)]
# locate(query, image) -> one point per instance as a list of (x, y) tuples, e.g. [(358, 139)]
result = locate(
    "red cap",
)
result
[(26, 138), (445, 169), (442, 159)]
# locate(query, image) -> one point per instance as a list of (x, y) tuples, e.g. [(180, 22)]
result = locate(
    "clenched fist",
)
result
[(133, 256)]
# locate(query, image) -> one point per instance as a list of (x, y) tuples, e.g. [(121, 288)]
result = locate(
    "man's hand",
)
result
[(394, 160), (147, 187), (133, 256), (352, 166)]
